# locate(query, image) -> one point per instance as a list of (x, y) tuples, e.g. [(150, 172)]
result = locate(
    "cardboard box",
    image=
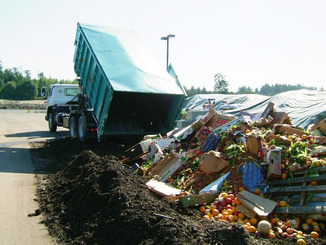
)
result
[(219, 120), (183, 133), (223, 128), (198, 199), (286, 129), (167, 166), (162, 188), (280, 118), (321, 126), (261, 206), (320, 140), (138, 149), (212, 162), (269, 108), (253, 144), (274, 158)]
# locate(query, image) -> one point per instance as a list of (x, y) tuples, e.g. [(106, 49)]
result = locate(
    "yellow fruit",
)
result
[(299, 233), (240, 221), (301, 241), (240, 189)]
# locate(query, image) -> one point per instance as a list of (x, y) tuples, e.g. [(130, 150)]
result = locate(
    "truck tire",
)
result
[(52, 124), (73, 127), (81, 128)]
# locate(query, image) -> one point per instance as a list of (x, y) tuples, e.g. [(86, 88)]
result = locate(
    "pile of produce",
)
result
[(300, 149)]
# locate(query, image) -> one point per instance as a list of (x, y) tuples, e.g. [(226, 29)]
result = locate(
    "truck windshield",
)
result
[(70, 91)]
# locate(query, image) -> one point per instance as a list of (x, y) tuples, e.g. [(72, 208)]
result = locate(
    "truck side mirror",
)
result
[(43, 92)]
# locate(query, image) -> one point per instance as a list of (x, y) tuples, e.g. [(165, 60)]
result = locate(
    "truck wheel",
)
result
[(73, 127), (81, 129), (52, 124)]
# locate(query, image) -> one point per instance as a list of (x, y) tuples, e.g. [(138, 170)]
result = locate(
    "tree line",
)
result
[(17, 84), (221, 86)]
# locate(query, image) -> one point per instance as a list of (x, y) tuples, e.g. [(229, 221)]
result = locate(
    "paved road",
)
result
[(17, 179)]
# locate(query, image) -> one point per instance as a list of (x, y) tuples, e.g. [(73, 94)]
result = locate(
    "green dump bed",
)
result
[(129, 91)]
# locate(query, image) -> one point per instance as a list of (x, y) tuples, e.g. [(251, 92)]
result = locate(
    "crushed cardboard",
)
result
[(261, 206)]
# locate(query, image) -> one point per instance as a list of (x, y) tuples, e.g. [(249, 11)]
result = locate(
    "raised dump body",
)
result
[(128, 91)]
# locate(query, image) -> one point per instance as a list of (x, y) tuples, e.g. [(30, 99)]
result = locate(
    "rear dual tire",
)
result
[(81, 128)]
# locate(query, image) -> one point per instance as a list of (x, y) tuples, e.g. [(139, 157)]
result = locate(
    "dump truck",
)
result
[(124, 89)]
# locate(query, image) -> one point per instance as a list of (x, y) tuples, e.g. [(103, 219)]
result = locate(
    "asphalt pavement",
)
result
[(17, 179)]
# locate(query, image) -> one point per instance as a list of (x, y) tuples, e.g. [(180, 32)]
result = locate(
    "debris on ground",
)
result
[(254, 179)]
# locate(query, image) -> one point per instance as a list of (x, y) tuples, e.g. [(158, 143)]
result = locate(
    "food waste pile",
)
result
[(95, 196)]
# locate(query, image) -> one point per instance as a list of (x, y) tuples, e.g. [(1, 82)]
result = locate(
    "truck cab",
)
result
[(61, 99)]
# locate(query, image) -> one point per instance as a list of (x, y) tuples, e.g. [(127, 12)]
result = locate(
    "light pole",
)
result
[(167, 48)]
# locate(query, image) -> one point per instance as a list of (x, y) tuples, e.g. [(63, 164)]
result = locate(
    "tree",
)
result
[(27, 90), (245, 90), (221, 85), (9, 90)]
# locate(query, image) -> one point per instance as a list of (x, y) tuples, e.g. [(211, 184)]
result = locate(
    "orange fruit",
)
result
[(314, 234), (284, 176), (229, 211), (316, 228), (241, 216), (314, 223), (230, 218), (220, 216), (282, 203), (202, 209), (206, 217), (215, 212), (257, 191), (253, 221), (309, 221), (246, 221), (212, 207), (313, 183), (235, 217), (225, 213), (273, 220), (231, 196), (237, 201), (252, 229)]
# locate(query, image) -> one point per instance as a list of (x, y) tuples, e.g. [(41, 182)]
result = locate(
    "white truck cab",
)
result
[(60, 94), (61, 99)]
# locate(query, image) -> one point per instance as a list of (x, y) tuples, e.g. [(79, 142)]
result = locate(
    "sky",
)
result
[(251, 43)]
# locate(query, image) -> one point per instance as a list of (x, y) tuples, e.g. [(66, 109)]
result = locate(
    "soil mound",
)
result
[(95, 200)]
